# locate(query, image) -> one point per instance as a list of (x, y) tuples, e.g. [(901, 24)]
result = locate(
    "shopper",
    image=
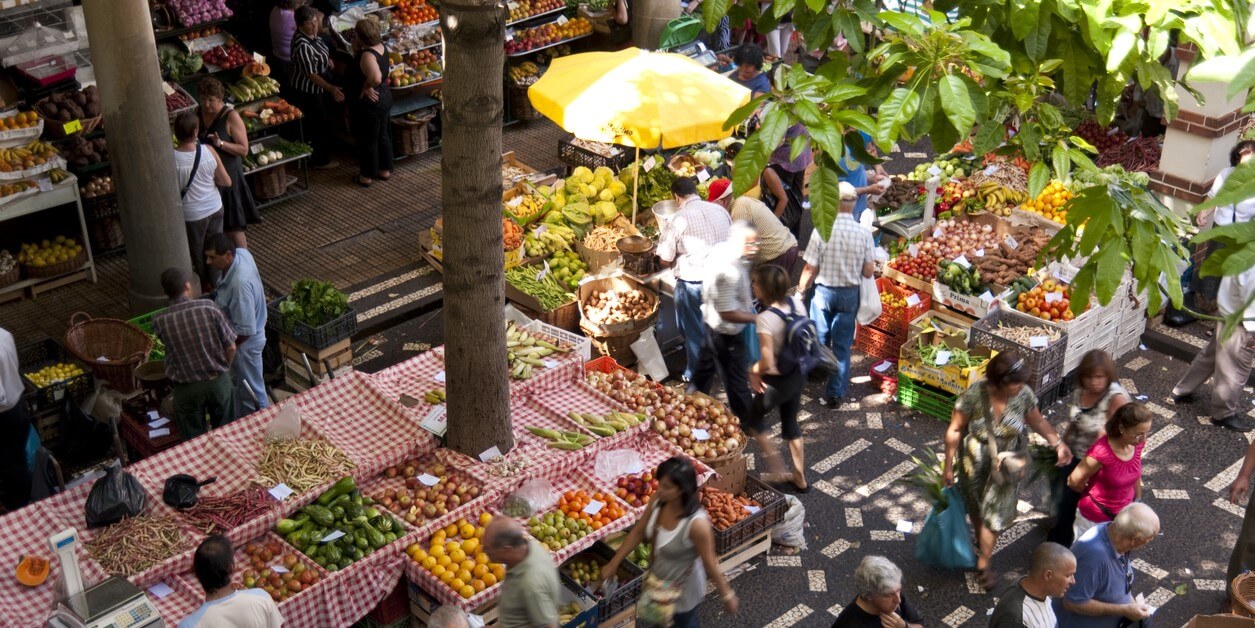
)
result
[(242, 296), (1204, 288), (1110, 476), (776, 245), (685, 242), (530, 593), (784, 179), (997, 408), (200, 347), (200, 171), (837, 267), (727, 310), (775, 389), (448, 617), (311, 86), (1095, 401), (880, 602), (15, 425), (857, 175), (1228, 357), (779, 39), (370, 104), (213, 564), (1243, 557), (1051, 570), (749, 70), (683, 547), (1103, 594), (282, 27), (223, 128)]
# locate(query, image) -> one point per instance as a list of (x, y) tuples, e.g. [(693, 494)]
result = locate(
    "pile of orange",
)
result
[(1034, 301), (1049, 204), (573, 504), (455, 555), (410, 12), (23, 120)]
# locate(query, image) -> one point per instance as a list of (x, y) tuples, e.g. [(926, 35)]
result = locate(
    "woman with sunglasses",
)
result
[(1000, 408), (1110, 476)]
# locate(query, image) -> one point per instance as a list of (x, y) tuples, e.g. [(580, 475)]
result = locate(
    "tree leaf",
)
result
[(742, 113), (847, 23), (894, 113), (841, 92), (1241, 232), (1038, 179), (1037, 42), (825, 198), (1024, 17), (1082, 287), (1238, 72), (828, 138), (807, 111), (797, 145), (857, 149), (1029, 139), (1077, 75), (713, 11), (856, 119), (1111, 265), (957, 103), (1239, 186), (904, 22), (815, 5), (1061, 162), (775, 124), (1121, 46), (781, 8), (943, 135), (1081, 160), (989, 137)]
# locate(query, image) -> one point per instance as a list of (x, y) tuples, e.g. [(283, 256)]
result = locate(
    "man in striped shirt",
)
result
[(837, 266), (200, 345), (1051, 570)]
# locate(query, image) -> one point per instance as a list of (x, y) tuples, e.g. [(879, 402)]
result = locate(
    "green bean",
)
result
[(550, 293)]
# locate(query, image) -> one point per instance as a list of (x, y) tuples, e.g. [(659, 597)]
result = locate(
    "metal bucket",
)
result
[(638, 254), (664, 210)]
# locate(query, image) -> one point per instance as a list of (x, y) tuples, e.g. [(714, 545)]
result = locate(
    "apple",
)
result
[(390, 472)]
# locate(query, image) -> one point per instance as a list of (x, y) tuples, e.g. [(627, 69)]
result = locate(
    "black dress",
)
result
[(371, 120), (238, 207)]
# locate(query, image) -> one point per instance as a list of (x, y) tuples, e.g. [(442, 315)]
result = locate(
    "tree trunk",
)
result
[(475, 354)]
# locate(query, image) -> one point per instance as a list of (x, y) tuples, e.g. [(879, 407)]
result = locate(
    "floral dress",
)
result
[(994, 502)]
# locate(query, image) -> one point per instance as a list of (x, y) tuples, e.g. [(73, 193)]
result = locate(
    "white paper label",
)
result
[(751, 509), (255, 148), (913, 250), (700, 434), (489, 454), (912, 300), (1054, 297), (980, 252), (439, 377), (962, 261), (152, 425), (937, 232), (279, 569), (649, 164), (702, 176), (514, 6), (332, 536), (549, 364), (1112, 131), (436, 421), (1038, 342), (1011, 242), (881, 367), (428, 479), (165, 431), (258, 58), (594, 507), (934, 170), (990, 170), (509, 34), (165, 87), (280, 492), (561, 20), (153, 415), (160, 590), (943, 358)]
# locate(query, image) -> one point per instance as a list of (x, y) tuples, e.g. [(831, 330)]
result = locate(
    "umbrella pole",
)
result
[(636, 184)]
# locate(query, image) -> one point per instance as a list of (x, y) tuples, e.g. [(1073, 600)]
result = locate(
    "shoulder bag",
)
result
[(656, 606), (1009, 467), (195, 167)]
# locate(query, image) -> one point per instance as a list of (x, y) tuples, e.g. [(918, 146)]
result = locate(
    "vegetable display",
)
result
[(419, 492), (725, 509), (609, 307), (901, 191), (339, 528), (632, 390), (1003, 265), (177, 64), (958, 356), (608, 425), (301, 464), (655, 181), (547, 289), (922, 266), (699, 425), (213, 515), (561, 439), (135, 544), (312, 302), (1139, 155), (1050, 301), (964, 280), (1023, 334), (263, 572), (526, 351), (952, 238), (196, 12)]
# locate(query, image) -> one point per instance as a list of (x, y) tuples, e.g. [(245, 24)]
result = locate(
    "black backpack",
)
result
[(801, 348)]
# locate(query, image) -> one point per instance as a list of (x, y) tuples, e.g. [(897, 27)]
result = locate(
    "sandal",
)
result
[(358, 179)]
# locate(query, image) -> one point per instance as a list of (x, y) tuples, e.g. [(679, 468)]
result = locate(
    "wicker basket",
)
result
[(112, 348), (410, 136), (1241, 592), (104, 224), (55, 129), (55, 270), (11, 277), (270, 183), (520, 105)]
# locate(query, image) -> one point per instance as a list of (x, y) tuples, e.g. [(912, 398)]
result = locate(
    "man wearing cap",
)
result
[(776, 245), (837, 266), (685, 242)]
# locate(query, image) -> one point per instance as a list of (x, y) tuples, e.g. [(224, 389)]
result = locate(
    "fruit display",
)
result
[(339, 528), (556, 530), (587, 197), (551, 238), (890, 300), (948, 167), (568, 268), (418, 492), (455, 555), (524, 74), (961, 279), (579, 503), (608, 425), (548, 290), (19, 120), (197, 33), (54, 374), (526, 351), (275, 152), (611, 307), (998, 200), (699, 425), (227, 56), (178, 64), (435, 396), (586, 572), (725, 509), (640, 555), (568, 612), (16, 187), (196, 12), (1049, 204), (414, 37), (528, 203), (952, 238), (278, 574), (636, 489), (63, 107), (561, 439), (1040, 302), (271, 112), (248, 89), (1102, 139), (177, 99), (685, 166), (47, 253), (632, 390), (412, 12), (523, 9), (57, 175), (405, 75), (82, 152), (952, 197), (528, 39)]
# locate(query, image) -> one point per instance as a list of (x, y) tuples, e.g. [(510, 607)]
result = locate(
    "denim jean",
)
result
[(688, 317), (686, 620), (727, 355), (834, 310), (247, 368)]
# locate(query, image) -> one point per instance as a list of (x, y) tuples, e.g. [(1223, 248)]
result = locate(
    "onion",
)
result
[(660, 427)]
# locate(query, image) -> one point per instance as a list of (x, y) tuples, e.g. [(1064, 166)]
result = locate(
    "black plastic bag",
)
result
[(114, 497), (183, 491), (88, 440)]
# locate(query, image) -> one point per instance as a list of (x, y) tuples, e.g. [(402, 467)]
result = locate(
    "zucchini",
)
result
[(374, 537), (332, 553), (337, 512), (320, 515), (341, 487), (286, 526)]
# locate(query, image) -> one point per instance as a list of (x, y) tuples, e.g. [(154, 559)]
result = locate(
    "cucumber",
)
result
[(341, 487), (320, 515), (286, 526)]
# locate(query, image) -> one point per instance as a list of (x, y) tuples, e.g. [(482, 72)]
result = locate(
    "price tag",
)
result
[(255, 148), (987, 297), (703, 176), (913, 250), (45, 185), (912, 300), (489, 454), (428, 479), (594, 507), (167, 88), (649, 164), (165, 431), (279, 569), (1054, 297), (258, 58), (280, 492), (436, 421), (937, 232), (1066, 272), (540, 275), (751, 509), (1113, 130), (1038, 342), (561, 20), (438, 377), (509, 34), (990, 170), (514, 6), (700, 434), (73, 126), (962, 261), (905, 527), (549, 364), (980, 252), (408, 401), (943, 358), (158, 423), (934, 171), (160, 590), (883, 366), (153, 415), (335, 534), (1011, 242)]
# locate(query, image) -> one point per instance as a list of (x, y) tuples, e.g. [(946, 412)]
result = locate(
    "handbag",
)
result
[(1009, 467), (944, 542), (656, 606), (749, 335)]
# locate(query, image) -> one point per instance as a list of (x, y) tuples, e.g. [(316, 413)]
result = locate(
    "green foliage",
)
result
[(314, 303), (927, 478)]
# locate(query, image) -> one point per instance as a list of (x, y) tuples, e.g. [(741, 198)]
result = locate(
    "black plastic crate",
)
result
[(40, 353), (629, 587), (1048, 398), (316, 338), (573, 155), (773, 507), (1045, 365)]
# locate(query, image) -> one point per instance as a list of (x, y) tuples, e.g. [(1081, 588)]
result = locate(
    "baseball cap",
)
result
[(848, 193), (719, 188)]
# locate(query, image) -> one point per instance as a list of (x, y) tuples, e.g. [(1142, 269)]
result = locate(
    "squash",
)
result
[(32, 571), (256, 68)]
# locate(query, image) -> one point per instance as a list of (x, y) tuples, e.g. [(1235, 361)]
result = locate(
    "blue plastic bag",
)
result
[(752, 349), (944, 541), (32, 446)]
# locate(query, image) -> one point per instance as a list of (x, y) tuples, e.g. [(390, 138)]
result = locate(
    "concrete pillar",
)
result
[(124, 55)]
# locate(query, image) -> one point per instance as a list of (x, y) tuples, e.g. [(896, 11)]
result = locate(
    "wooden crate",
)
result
[(295, 354), (422, 605), (298, 379), (626, 618), (756, 547), (47, 424)]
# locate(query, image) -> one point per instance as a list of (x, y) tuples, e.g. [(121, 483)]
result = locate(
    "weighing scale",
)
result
[(114, 603)]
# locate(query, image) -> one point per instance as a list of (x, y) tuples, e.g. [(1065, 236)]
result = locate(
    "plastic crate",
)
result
[(1045, 365), (886, 379), (40, 353), (574, 156), (933, 402), (145, 321), (878, 344), (316, 338), (583, 346), (1057, 393), (626, 594), (771, 512), (897, 320)]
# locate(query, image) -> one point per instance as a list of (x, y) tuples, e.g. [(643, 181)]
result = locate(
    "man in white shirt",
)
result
[(685, 242), (727, 307), (224, 606), (1051, 570), (15, 425), (1229, 360)]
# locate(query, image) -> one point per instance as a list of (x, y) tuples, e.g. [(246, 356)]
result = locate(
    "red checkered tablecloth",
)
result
[(26, 531), (413, 377)]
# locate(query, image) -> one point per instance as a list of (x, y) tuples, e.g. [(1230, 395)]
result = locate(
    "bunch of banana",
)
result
[(608, 425), (435, 396), (529, 205), (524, 73), (568, 612), (525, 351), (57, 175), (999, 200), (558, 439)]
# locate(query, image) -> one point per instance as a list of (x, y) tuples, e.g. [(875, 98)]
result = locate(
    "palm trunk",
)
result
[(475, 354)]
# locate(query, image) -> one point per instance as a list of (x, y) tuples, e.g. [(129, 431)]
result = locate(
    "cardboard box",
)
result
[(950, 377), (971, 305), (944, 320)]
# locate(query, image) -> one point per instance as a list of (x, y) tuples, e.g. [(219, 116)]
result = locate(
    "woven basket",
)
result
[(1242, 592), (54, 270), (11, 277), (56, 129), (410, 136), (112, 348), (270, 183), (520, 106)]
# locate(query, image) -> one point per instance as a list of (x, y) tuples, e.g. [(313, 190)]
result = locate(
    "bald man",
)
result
[(1051, 571), (448, 617), (530, 593), (1103, 593)]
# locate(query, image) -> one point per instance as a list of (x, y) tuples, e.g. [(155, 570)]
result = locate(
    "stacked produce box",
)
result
[(883, 337)]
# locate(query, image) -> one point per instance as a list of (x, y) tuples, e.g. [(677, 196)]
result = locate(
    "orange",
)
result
[(479, 585), (457, 555), (480, 570), (451, 530), (437, 549), (444, 561), (467, 530), (489, 579), (429, 562), (464, 575), (470, 545), (481, 558), (466, 565), (485, 519), (466, 591), (456, 584)]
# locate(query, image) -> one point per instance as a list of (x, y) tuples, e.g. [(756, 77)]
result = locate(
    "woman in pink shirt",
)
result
[(1110, 476)]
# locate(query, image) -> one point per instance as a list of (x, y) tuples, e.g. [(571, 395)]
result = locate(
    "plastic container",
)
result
[(316, 338), (771, 511), (574, 155), (40, 353), (933, 402), (877, 343), (1045, 364)]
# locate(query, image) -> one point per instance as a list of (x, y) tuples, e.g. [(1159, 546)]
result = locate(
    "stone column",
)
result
[(124, 55)]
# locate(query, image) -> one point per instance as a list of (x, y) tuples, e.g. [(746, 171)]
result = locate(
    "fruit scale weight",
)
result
[(113, 603)]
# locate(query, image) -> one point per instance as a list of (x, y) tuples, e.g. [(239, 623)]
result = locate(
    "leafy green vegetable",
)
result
[(314, 303), (655, 185)]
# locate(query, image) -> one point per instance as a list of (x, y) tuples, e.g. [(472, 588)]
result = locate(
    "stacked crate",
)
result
[(883, 337)]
